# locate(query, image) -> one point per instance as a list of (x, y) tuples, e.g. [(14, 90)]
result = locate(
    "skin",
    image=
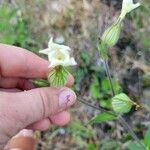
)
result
[(21, 104)]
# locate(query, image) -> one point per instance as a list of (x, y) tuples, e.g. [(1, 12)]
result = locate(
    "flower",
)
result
[(58, 55), (128, 6)]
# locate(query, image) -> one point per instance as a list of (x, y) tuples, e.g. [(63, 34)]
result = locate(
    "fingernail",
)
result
[(66, 97)]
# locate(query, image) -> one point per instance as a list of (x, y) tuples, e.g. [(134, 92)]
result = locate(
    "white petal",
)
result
[(44, 51), (64, 47), (51, 55), (55, 62), (128, 5), (136, 5), (73, 62), (50, 41)]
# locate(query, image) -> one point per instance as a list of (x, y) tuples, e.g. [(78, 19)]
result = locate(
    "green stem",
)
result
[(97, 108), (121, 119), (109, 77)]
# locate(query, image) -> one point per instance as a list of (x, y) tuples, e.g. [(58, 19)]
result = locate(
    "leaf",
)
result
[(40, 83), (135, 146), (57, 77), (147, 138), (103, 117), (121, 103), (91, 146), (106, 103)]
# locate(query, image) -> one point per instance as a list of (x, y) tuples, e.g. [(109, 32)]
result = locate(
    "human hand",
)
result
[(22, 105)]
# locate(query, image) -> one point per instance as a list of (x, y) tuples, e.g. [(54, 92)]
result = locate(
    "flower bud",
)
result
[(57, 77), (111, 35)]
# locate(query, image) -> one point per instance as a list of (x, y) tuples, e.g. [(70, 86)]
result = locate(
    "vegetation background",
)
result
[(79, 23)]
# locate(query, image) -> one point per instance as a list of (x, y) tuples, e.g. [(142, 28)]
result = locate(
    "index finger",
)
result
[(18, 62)]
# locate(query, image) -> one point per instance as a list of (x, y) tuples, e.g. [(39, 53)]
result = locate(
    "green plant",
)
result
[(146, 141), (120, 103), (13, 27)]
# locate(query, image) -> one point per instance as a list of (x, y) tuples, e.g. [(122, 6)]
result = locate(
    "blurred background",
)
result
[(79, 24)]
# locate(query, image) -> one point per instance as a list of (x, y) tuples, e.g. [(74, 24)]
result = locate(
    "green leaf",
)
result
[(103, 117), (57, 77), (40, 83), (121, 103), (106, 103), (147, 138), (91, 146), (135, 146), (95, 90)]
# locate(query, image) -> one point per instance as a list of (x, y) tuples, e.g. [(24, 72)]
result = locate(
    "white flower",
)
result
[(58, 54), (128, 6)]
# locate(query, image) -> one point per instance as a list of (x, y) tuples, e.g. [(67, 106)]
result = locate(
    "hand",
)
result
[(22, 105)]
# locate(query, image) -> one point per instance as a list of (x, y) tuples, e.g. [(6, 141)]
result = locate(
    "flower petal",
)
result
[(44, 51)]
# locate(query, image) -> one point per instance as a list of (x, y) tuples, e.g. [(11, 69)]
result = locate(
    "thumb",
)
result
[(24, 108)]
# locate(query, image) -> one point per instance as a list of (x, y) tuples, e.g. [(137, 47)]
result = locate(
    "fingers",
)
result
[(25, 84), (70, 80), (41, 125), (20, 83), (28, 107), (59, 119), (18, 62), (14, 90), (24, 140)]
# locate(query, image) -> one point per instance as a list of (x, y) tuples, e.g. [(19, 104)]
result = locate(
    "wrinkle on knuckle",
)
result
[(44, 101)]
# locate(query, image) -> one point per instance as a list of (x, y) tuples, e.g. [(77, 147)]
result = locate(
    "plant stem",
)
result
[(129, 129), (109, 77), (121, 119), (97, 108)]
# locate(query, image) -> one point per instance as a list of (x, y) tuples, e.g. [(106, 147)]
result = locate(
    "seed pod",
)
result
[(121, 103), (57, 77), (111, 35)]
